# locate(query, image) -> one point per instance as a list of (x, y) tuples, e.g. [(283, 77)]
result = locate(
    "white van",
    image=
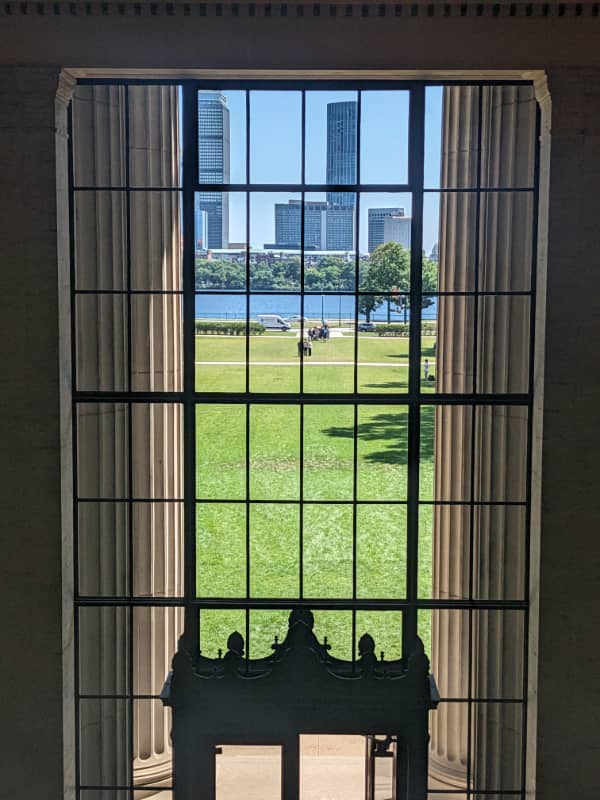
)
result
[(273, 322)]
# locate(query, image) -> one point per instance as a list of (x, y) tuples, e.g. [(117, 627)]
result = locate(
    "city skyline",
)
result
[(275, 121)]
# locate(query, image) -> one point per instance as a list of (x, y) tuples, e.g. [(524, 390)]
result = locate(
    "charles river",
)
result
[(331, 307)]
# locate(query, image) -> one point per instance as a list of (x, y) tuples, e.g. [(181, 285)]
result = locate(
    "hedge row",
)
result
[(229, 328), (402, 329)]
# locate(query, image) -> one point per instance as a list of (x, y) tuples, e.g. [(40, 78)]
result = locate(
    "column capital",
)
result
[(66, 87)]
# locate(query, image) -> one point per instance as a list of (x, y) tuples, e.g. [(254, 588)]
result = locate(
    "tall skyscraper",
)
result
[(213, 158), (376, 218), (397, 229), (341, 169), (288, 224)]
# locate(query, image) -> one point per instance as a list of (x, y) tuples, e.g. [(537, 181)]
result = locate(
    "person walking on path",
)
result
[(426, 369)]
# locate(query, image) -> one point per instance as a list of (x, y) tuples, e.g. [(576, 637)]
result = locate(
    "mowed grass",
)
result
[(258, 549), (275, 365)]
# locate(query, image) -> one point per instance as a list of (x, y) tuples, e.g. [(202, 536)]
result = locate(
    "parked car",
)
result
[(297, 318), (366, 327)]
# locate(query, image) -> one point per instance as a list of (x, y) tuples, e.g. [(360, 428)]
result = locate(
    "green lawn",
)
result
[(326, 545)]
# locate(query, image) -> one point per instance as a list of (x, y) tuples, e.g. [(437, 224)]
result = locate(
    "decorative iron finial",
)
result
[(235, 644), (366, 645), (303, 615)]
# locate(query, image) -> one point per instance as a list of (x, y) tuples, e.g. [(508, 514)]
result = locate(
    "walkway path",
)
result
[(308, 360)]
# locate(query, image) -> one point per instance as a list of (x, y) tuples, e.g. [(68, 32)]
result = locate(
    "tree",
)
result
[(388, 271)]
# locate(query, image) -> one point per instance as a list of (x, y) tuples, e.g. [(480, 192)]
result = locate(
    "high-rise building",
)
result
[(340, 229), (397, 229), (341, 169), (288, 224), (376, 218), (213, 163), (435, 253)]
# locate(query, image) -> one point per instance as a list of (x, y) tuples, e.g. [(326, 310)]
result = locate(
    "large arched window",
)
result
[(302, 327)]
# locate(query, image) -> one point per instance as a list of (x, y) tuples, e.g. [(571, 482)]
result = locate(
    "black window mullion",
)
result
[(190, 171), (416, 171)]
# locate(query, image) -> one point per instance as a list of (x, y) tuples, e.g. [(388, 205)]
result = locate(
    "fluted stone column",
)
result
[(499, 473), (155, 322)]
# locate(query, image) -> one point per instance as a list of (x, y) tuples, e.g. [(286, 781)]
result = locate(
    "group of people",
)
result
[(320, 333)]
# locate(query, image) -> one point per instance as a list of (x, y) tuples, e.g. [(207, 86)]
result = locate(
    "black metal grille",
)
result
[(128, 404)]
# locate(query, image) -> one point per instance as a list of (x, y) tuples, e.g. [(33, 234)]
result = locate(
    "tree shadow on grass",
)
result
[(391, 431)]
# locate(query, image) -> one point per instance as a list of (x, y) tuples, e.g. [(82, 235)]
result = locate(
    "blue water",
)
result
[(331, 307)]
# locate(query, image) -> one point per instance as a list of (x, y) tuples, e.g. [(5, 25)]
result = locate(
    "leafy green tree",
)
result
[(219, 274), (388, 270)]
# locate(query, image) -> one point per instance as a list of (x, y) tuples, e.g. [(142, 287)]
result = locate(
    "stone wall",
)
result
[(30, 568)]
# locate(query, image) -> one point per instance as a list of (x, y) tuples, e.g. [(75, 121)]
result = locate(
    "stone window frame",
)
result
[(533, 406)]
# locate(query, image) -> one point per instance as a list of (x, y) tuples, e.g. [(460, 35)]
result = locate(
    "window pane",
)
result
[(102, 451), (103, 636), (508, 147), (386, 628), (452, 246), (274, 550), (156, 632), (331, 128), (103, 555), (215, 628), (445, 634), (222, 136), (154, 135), (498, 638), (274, 452), (157, 549), (221, 342), (444, 537), (328, 363), (265, 627), (450, 717), (385, 219), (102, 333), (100, 234), (503, 329), (382, 452), (501, 453), (275, 239), (152, 723), (156, 242), (274, 356), (500, 534), (220, 241), (381, 551), (221, 452), (327, 538), (99, 160), (275, 136), (446, 439), (384, 137), (221, 550), (154, 423), (506, 241), (433, 136), (104, 752), (383, 344), (459, 143), (336, 626), (501, 723), (157, 343), (454, 347), (328, 452)]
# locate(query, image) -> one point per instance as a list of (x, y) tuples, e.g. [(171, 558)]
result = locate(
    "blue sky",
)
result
[(275, 152)]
